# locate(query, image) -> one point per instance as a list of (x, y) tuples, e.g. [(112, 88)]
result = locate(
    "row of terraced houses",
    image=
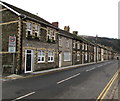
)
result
[(43, 45)]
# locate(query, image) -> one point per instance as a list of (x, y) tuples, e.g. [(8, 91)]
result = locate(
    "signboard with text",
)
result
[(12, 44)]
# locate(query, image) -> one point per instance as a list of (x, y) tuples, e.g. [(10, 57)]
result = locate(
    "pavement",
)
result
[(6, 77), (113, 91)]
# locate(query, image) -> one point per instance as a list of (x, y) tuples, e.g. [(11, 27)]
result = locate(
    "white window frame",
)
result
[(78, 55), (29, 27), (67, 56), (41, 55), (51, 55), (78, 45), (51, 33), (86, 56), (60, 41), (83, 46), (73, 44), (37, 29)]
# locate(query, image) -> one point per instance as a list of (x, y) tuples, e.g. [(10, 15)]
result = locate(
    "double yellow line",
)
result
[(107, 87)]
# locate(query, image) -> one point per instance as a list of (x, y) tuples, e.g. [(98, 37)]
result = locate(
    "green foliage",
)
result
[(110, 42)]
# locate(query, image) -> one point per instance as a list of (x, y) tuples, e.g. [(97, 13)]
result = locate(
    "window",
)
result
[(48, 35), (86, 56), (86, 47), (78, 46), (50, 56), (67, 43), (67, 56), (83, 46), (78, 56), (94, 49), (60, 41), (36, 30), (51, 35), (73, 44), (29, 28), (41, 56)]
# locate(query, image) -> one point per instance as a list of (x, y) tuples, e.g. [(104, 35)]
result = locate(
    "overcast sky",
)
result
[(88, 17)]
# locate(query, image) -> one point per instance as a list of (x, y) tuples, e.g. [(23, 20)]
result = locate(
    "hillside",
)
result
[(110, 42)]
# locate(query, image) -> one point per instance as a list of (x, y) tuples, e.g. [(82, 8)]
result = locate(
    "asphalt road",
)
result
[(85, 82)]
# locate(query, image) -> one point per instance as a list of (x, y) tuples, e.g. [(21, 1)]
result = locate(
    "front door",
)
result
[(29, 60), (60, 59)]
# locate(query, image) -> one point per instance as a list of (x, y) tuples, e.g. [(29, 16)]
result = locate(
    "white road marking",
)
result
[(68, 78), (23, 96), (90, 69)]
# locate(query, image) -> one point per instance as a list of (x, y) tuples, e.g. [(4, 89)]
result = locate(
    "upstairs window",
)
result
[(36, 30), (29, 28), (78, 46), (67, 43), (48, 35), (86, 47), (83, 46), (73, 44), (50, 56), (60, 41), (41, 56), (51, 35)]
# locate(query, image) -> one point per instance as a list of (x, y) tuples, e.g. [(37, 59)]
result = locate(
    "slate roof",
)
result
[(29, 15), (65, 33), (73, 36)]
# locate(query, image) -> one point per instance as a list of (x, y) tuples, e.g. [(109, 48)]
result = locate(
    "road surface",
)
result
[(85, 82)]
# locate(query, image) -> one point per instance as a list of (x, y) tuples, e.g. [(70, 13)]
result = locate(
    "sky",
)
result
[(88, 17)]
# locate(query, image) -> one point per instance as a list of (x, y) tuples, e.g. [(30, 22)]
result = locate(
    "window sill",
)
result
[(50, 61), (41, 62), (67, 60)]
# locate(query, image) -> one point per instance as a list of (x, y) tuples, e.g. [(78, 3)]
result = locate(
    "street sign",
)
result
[(12, 49), (12, 44)]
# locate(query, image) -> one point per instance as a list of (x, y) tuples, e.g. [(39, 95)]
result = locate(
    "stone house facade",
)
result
[(65, 48), (36, 40), (42, 45)]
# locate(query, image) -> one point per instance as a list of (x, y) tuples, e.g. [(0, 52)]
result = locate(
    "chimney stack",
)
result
[(56, 24), (75, 32), (67, 28)]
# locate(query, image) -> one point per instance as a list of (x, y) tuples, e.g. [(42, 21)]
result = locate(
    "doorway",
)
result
[(29, 60), (60, 59)]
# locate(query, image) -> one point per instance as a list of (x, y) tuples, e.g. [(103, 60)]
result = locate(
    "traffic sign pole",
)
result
[(12, 49)]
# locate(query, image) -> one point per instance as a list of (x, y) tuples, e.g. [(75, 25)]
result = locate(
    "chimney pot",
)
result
[(67, 28), (75, 32)]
